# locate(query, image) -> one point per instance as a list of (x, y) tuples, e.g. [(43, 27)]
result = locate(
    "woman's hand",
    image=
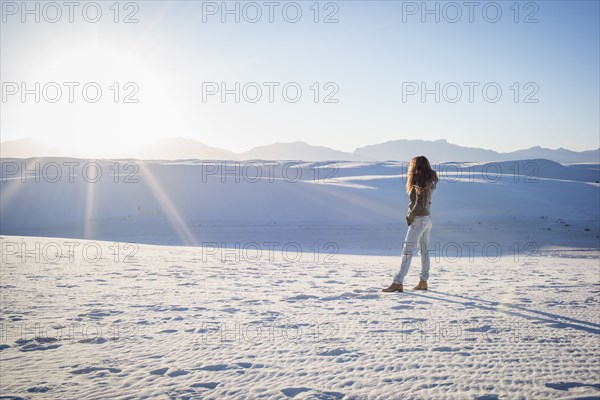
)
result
[(408, 220)]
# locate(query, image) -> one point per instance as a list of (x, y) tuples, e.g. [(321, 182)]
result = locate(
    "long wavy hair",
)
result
[(420, 175)]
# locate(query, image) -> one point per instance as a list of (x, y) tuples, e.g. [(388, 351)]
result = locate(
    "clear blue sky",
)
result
[(369, 54)]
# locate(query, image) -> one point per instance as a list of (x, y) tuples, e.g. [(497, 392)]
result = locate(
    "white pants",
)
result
[(416, 236)]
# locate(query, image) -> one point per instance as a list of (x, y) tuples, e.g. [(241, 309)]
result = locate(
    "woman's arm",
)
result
[(417, 204), (412, 203)]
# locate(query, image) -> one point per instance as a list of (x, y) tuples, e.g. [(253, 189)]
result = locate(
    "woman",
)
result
[(421, 182)]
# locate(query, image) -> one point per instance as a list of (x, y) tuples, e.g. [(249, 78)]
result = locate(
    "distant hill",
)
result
[(182, 148), (27, 148), (559, 155), (442, 151), (399, 150), (296, 151), (437, 150)]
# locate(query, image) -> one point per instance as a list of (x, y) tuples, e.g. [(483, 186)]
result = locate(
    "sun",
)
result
[(96, 101)]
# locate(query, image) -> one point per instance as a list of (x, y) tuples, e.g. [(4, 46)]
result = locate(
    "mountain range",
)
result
[(400, 150)]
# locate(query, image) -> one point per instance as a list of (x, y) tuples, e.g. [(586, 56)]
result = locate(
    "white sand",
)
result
[(512, 310), (172, 325)]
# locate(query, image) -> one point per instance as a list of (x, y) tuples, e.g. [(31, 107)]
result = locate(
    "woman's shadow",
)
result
[(554, 320)]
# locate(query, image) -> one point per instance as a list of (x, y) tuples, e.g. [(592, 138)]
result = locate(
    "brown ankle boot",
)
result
[(394, 287), (421, 286)]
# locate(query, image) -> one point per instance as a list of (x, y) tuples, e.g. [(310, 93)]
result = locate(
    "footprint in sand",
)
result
[(179, 372), (160, 371), (36, 344), (89, 370), (38, 389), (206, 385)]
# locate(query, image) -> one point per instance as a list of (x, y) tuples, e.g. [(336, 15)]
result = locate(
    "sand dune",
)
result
[(359, 206)]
